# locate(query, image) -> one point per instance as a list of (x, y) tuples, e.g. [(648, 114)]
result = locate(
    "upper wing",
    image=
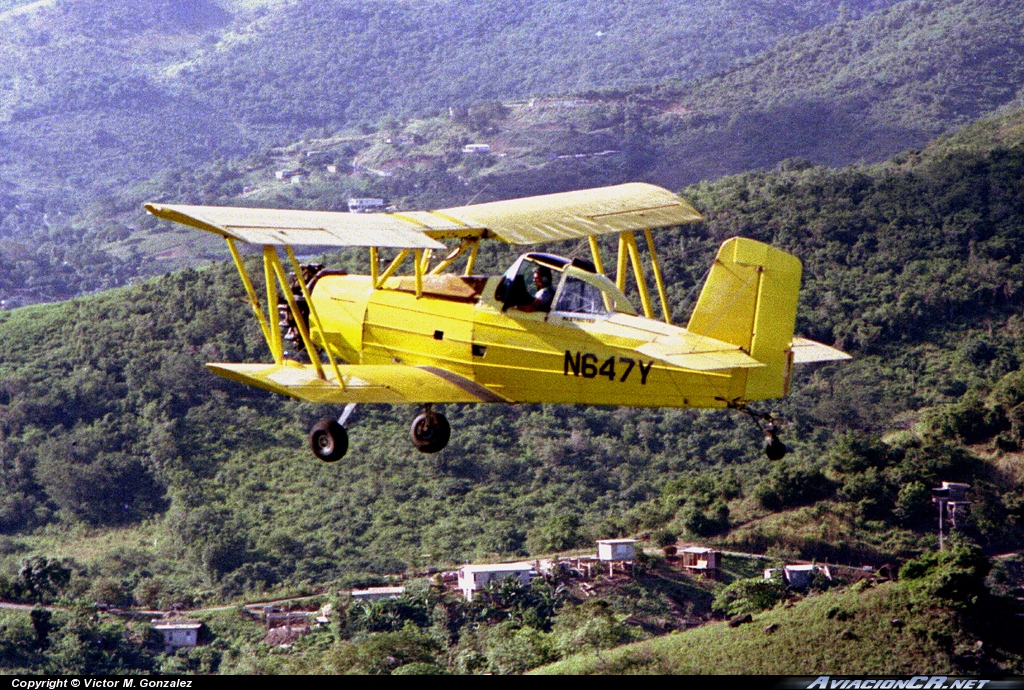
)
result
[(570, 215), (806, 351), (548, 218), (320, 228), (363, 383)]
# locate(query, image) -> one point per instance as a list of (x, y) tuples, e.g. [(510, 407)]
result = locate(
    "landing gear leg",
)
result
[(430, 431)]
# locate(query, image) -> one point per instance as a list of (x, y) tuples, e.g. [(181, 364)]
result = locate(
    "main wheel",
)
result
[(430, 433), (328, 440), (774, 448)]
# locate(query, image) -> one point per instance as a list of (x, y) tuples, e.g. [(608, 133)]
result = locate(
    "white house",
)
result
[(473, 578), (616, 549), (177, 633), (799, 576), (476, 148)]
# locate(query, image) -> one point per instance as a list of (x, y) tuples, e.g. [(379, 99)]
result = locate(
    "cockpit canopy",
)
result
[(579, 289)]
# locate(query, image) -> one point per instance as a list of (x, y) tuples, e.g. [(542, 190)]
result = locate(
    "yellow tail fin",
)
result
[(749, 300)]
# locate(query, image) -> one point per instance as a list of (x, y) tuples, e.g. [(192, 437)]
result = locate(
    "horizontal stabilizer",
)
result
[(806, 351), (362, 383), (680, 354)]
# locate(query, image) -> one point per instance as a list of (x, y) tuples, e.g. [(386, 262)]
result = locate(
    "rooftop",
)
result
[(159, 624), (497, 567)]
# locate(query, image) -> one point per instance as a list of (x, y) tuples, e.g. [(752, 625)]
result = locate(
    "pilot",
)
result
[(545, 293)]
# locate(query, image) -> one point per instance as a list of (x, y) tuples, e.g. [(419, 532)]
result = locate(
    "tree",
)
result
[(591, 625), (43, 579)]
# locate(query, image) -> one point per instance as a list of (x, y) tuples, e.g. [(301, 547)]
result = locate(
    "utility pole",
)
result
[(948, 497)]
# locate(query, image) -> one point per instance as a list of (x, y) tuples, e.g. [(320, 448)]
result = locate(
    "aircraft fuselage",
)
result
[(516, 356)]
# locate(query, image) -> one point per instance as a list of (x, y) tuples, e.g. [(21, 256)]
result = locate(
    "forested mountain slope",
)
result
[(106, 106), (99, 93), (323, 63), (859, 90), (109, 418)]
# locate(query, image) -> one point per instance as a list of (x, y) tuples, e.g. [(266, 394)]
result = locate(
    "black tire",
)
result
[(328, 440), (774, 448), (430, 434)]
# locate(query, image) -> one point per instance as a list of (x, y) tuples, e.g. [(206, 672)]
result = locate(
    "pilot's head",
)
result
[(542, 277)]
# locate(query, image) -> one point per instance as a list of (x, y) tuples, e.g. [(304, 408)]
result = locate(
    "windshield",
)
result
[(581, 298)]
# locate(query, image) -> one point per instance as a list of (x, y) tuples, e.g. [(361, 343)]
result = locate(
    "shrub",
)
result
[(788, 486), (706, 523), (969, 421), (750, 595), (957, 575), (664, 537)]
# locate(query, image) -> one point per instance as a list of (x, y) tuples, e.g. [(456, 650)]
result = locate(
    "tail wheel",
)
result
[(328, 440), (774, 448), (430, 432)]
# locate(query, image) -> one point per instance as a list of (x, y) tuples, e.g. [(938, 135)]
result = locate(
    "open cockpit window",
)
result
[(530, 283), (575, 286)]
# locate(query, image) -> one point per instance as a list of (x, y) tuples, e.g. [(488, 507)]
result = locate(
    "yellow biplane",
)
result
[(550, 330)]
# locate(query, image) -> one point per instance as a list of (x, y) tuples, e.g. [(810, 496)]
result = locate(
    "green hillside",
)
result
[(378, 58), (938, 619), (855, 91), (104, 107), (99, 98)]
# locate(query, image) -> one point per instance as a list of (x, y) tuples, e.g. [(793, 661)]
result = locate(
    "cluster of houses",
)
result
[(614, 557), (307, 160), (613, 554)]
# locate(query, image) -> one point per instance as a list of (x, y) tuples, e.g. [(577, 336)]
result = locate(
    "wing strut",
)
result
[(313, 356), (274, 275), (275, 343), (253, 299), (471, 243), (471, 261), (392, 267), (421, 260), (656, 268), (629, 253), (270, 257), (638, 273)]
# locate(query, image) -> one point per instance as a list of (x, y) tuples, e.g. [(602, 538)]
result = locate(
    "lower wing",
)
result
[(364, 383)]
